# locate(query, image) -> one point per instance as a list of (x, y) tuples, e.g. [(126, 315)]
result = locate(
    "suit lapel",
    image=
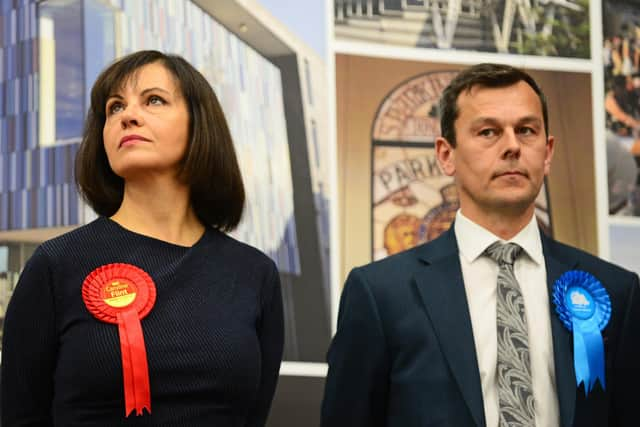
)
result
[(441, 288), (562, 339)]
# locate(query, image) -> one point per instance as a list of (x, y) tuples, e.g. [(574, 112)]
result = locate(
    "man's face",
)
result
[(502, 153)]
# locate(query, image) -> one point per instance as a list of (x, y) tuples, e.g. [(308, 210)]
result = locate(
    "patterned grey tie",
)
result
[(515, 395)]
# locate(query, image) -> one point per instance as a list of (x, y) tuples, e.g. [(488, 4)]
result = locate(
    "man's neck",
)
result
[(504, 224)]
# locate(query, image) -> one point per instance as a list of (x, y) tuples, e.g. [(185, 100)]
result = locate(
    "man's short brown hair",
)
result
[(484, 75)]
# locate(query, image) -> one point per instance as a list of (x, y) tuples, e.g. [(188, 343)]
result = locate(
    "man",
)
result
[(464, 331)]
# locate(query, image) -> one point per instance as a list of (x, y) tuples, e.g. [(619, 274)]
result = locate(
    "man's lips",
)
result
[(131, 139), (512, 172)]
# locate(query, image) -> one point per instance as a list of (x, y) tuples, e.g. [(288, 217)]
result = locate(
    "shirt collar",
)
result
[(473, 239)]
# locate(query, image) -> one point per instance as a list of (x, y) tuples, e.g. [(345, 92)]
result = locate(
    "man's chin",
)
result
[(515, 203)]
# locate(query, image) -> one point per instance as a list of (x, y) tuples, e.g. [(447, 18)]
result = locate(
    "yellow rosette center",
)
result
[(119, 293)]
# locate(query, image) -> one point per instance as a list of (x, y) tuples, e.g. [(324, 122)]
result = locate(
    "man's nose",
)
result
[(511, 143)]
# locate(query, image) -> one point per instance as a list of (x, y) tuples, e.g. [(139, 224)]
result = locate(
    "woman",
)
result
[(150, 315)]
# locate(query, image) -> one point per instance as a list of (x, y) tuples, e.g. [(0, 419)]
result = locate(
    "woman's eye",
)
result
[(155, 100), (115, 107)]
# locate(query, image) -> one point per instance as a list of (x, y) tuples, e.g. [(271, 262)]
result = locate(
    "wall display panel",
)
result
[(12, 256), (366, 86), (547, 28), (413, 201), (624, 245), (621, 62), (38, 164), (62, 86), (249, 85), (53, 51), (6, 283)]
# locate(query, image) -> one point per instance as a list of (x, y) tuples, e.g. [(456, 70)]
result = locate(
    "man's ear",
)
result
[(549, 154), (445, 154)]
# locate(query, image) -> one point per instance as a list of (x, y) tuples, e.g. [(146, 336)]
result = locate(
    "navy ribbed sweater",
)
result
[(214, 337)]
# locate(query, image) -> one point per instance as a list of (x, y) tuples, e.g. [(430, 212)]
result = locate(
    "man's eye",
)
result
[(487, 132), (527, 131)]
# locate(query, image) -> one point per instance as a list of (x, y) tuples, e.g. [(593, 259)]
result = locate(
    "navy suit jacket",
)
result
[(404, 354)]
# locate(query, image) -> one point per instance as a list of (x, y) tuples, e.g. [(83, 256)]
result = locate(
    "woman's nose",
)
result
[(130, 116)]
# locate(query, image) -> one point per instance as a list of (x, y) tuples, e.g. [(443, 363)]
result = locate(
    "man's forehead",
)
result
[(478, 97), (478, 88)]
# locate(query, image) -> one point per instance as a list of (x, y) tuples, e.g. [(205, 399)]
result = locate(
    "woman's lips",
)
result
[(131, 140)]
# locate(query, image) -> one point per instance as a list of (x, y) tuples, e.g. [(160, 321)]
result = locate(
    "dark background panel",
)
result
[(297, 402)]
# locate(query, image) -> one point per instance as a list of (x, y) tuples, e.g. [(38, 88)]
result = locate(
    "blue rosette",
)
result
[(584, 307)]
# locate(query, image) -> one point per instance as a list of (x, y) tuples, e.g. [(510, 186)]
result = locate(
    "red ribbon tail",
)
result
[(127, 370), (137, 391)]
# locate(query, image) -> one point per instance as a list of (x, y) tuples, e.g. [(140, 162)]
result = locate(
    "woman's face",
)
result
[(147, 126)]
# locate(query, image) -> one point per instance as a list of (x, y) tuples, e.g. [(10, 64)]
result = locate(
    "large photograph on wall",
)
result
[(621, 59), (53, 52), (392, 192), (547, 28), (413, 202)]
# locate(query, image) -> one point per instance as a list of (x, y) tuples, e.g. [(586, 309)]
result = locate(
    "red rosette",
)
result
[(123, 294)]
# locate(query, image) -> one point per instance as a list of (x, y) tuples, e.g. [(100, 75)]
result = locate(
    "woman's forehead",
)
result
[(153, 74)]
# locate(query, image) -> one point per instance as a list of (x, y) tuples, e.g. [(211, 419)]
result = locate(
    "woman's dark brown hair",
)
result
[(209, 167)]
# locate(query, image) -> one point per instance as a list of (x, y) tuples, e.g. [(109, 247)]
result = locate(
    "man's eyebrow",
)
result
[(530, 119), (485, 120), (496, 121)]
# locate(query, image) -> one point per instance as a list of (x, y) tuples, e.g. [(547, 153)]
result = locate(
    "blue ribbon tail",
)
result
[(595, 353), (588, 355), (580, 361)]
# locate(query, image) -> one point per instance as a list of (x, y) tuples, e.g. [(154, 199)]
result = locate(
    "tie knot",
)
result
[(504, 253)]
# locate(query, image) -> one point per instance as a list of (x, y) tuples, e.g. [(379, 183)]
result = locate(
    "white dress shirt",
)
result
[(480, 274)]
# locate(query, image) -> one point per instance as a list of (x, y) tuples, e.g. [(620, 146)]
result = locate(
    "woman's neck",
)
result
[(161, 210)]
